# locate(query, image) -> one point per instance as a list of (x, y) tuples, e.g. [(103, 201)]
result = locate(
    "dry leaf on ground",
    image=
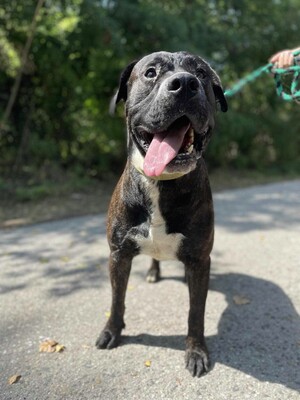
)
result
[(240, 300), (51, 346), (148, 363), (14, 379), (59, 348), (44, 260)]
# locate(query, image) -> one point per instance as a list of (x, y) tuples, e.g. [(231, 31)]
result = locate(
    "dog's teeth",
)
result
[(190, 149), (191, 135)]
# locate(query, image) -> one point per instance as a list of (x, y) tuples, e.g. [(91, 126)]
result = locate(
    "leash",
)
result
[(278, 74)]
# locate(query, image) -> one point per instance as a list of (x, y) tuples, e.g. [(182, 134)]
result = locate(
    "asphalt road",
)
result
[(54, 284)]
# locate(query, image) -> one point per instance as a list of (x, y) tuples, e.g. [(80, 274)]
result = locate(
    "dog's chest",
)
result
[(157, 243)]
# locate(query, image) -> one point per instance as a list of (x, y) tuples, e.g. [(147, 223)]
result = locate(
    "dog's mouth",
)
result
[(178, 145)]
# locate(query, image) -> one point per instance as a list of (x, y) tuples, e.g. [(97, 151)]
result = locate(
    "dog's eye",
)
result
[(201, 73), (150, 73)]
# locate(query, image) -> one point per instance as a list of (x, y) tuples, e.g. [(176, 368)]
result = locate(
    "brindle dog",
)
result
[(162, 205)]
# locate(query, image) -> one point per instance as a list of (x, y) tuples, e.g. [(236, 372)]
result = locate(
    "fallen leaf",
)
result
[(178, 381), (148, 363), (65, 259), (14, 379), (59, 348), (43, 260), (107, 314), (51, 346), (240, 300), (48, 346), (130, 287)]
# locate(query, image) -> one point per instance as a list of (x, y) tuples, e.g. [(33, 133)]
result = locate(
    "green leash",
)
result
[(278, 73)]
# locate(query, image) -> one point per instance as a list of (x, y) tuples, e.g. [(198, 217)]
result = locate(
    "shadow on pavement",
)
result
[(175, 342), (55, 256), (68, 281), (258, 338)]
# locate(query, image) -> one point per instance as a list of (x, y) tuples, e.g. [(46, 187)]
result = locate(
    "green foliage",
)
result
[(32, 193), (9, 58), (80, 48)]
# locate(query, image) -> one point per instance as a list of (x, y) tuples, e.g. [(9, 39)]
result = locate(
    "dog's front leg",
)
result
[(119, 268), (197, 276)]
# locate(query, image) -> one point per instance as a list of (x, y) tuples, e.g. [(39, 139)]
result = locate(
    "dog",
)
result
[(162, 205)]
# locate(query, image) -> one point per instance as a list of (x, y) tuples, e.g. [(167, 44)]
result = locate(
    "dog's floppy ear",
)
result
[(121, 93), (220, 97), (219, 92)]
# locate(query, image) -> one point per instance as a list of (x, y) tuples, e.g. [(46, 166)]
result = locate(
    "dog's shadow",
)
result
[(260, 338)]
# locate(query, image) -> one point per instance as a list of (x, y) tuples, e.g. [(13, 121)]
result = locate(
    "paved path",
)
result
[(54, 284)]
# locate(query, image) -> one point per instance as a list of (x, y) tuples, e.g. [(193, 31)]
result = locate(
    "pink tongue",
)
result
[(163, 148)]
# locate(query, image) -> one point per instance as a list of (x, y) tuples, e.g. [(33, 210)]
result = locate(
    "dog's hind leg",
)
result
[(153, 274)]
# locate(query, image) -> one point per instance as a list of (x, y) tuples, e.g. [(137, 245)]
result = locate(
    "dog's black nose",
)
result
[(183, 83)]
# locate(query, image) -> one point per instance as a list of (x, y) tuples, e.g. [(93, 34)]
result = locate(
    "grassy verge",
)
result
[(66, 195)]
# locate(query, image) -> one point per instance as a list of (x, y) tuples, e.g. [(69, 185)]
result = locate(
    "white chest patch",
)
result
[(158, 244)]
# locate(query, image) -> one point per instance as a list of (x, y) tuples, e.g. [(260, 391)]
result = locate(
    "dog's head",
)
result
[(170, 100)]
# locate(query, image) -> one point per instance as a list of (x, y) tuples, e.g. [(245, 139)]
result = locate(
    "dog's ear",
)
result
[(220, 97), (121, 93), (219, 92)]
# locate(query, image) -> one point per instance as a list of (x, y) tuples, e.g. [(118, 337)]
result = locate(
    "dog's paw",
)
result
[(153, 276), (197, 361), (108, 339)]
